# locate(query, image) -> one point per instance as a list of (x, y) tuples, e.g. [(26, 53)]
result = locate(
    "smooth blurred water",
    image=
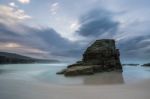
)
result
[(47, 73)]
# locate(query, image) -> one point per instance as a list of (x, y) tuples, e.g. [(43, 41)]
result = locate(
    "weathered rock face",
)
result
[(101, 56), (147, 64)]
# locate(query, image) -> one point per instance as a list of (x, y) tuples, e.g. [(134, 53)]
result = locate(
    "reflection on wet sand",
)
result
[(104, 78), (2, 71)]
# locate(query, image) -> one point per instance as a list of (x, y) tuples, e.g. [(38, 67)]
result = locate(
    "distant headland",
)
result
[(12, 58)]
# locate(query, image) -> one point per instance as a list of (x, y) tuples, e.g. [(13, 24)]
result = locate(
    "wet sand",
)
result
[(19, 89)]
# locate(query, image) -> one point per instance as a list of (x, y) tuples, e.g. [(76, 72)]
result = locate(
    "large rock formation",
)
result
[(147, 64), (101, 56)]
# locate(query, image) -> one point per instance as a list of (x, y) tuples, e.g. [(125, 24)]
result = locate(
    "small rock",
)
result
[(61, 72), (79, 70)]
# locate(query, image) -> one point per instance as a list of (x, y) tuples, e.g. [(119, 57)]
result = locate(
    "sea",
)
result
[(46, 73)]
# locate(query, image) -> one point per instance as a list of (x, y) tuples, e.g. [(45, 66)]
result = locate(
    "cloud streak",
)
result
[(96, 23), (54, 8), (11, 15), (24, 1), (39, 43)]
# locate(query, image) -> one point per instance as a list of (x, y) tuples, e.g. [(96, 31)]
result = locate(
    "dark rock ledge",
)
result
[(101, 56)]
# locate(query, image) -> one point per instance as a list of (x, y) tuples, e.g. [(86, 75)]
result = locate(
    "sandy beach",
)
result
[(22, 82), (14, 89)]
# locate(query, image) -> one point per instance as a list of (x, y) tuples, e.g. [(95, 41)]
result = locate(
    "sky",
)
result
[(63, 29)]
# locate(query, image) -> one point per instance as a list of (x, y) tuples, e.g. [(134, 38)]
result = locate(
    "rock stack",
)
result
[(101, 56)]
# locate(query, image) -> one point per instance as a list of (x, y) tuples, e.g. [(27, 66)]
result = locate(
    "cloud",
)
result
[(11, 45), (74, 25), (54, 8), (133, 41), (12, 4), (19, 48), (24, 1), (97, 22), (37, 42), (132, 36), (137, 48), (11, 15)]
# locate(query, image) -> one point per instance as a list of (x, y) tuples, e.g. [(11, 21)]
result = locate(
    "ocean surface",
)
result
[(46, 73)]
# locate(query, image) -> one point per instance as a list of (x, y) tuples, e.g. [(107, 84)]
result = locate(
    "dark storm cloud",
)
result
[(59, 46), (4, 30), (137, 48), (46, 39), (97, 22)]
